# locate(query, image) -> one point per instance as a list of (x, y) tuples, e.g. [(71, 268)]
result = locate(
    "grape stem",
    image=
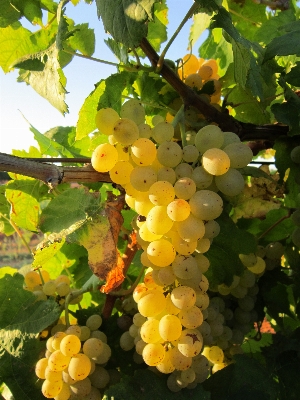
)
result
[(275, 224), (71, 296), (188, 15)]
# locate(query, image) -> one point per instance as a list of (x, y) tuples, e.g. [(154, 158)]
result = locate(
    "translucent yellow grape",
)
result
[(161, 193), (183, 297), (215, 161), (79, 367), (40, 368), (105, 120), (153, 354), (125, 131), (191, 318), (133, 109), (163, 131), (194, 81), (70, 345), (58, 361), (51, 389), (120, 173), (158, 221), (206, 205), (259, 267), (170, 327), (208, 137), (104, 157), (169, 154), (143, 152), (161, 252), (150, 331), (141, 178), (151, 304), (178, 210)]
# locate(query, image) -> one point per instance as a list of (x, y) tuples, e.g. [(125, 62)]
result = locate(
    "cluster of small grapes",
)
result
[(196, 72), (174, 192), (73, 366), (231, 312), (40, 284)]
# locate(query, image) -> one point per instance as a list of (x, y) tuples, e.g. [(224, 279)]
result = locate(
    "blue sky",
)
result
[(17, 99)]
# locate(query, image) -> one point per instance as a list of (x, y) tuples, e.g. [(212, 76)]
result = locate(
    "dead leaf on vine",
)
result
[(100, 238), (115, 277)]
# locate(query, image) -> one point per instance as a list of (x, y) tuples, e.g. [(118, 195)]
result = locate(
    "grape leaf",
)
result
[(126, 20), (279, 232), (100, 238), (49, 83), (244, 379), (118, 49), (68, 208), (83, 39), (148, 89), (293, 77), (224, 254), (21, 319), (146, 385), (284, 45), (201, 22), (157, 29), (5, 226), (23, 195), (8, 13), (42, 255)]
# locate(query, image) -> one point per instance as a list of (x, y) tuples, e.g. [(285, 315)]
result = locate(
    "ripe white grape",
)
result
[(62, 288), (178, 210), (143, 152), (65, 392), (161, 193), (167, 174), (150, 331), (184, 188), (202, 178), (94, 322), (49, 288), (191, 318), (194, 81), (81, 388), (206, 205), (170, 327), (56, 340), (203, 246), (92, 347), (104, 157), (79, 367), (212, 229), (185, 267), (191, 229), (145, 131), (166, 367), (166, 275), (209, 137), (126, 341), (73, 330), (142, 178), (259, 267), (153, 354), (100, 377), (125, 131), (58, 361), (183, 247), (183, 297), (51, 389), (190, 342), (190, 153), (183, 170), (40, 368), (216, 161), (163, 131), (161, 252), (240, 154), (216, 355), (70, 345), (104, 356), (120, 173), (152, 304), (53, 376), (105, 120), (180, 362), (274, 250), (230, 137), (169, 154), (133, 110), (231, 183)]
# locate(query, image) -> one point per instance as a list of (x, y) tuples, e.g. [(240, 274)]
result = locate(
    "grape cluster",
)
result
[(195, 72), (40, 284), (174, 193), (73, 366)]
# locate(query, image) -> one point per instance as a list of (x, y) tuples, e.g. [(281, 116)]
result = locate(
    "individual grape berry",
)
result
[(215, 161), (104, 157), (105, 120), (295, 155), (133, 110), (209, 137), (125, 131)]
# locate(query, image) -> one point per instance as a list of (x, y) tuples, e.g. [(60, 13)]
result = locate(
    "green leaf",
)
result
[(224, 253), (279, 232), (83, 39), (23, 195), (118, 49), (126, 20), (21, 320), (293, 77), (244, 379), (157, 29), (7, 271), (284, 45), (5, 226), (201, 22), (68, 208), (252, 345), (42, 255), (148, 89), (8, 13), (247, 106), (49, 83), (146, 385)]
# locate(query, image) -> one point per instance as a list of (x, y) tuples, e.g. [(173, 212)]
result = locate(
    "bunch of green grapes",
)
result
[(73, 366), (174, 192), (42, 286)]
